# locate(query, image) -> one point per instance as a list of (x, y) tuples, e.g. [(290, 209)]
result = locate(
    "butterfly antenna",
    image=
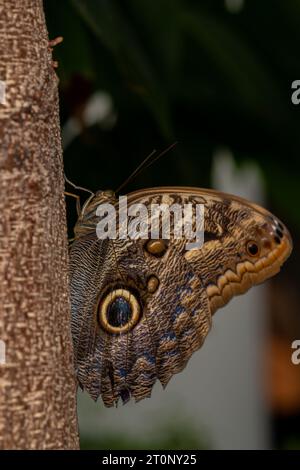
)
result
[(149, 160), (136, 171), (161, 154), (78, 187)]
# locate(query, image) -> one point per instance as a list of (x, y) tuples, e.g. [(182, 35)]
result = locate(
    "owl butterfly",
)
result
[(141, 308)]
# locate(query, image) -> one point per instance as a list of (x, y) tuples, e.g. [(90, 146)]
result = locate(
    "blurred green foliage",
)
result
[(183, 70), (167, 437)]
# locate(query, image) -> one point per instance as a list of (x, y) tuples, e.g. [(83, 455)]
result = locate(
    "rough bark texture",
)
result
[(37, 385)]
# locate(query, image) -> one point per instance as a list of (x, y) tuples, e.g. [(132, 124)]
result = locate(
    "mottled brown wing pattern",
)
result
[(173, 324), (169, 292)]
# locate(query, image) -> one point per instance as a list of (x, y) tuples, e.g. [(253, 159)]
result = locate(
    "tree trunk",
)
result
[(37, 385)]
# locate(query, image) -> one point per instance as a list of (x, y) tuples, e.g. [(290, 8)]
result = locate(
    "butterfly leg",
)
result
[(78, 207)]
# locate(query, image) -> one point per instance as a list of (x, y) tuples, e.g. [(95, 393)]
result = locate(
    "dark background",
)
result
[(208, 75)]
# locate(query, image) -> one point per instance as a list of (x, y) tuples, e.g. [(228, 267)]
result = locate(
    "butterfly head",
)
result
[(106, 195), (87, 219)]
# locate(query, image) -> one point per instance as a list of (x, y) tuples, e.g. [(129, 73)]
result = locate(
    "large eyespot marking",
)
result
[(156, 247), (252, 248), (119, 311)]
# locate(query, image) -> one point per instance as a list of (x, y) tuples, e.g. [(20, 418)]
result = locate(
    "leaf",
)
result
[(112, 28), (244, 75)]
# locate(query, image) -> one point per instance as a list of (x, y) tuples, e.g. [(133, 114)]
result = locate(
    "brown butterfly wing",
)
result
[(174, 321), (223, 263), (189, 286)]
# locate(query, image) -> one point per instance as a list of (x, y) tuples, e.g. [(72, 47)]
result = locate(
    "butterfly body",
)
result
[(141, 307)]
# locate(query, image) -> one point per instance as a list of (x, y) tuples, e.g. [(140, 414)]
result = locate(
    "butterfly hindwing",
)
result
[(174, 320)]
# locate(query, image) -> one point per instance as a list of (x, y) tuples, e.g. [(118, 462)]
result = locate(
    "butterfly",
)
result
[(142, 307)]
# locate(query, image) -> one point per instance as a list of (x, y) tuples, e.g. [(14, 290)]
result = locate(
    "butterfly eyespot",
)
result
[(252, 248), (152, 284), (156, 247), (119, 311)]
